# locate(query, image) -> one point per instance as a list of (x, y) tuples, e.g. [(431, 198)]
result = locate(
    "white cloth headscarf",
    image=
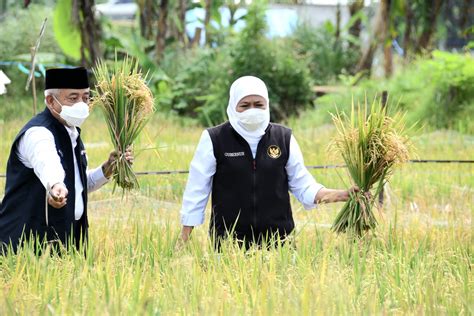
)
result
[(242, 87)]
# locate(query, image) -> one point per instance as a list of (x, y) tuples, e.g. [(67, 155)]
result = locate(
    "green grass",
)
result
[(419, 262)]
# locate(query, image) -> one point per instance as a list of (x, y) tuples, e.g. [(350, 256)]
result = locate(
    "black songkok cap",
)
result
[(67, 78)]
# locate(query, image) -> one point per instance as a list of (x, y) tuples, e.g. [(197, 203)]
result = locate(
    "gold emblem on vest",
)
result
[(274, 151)]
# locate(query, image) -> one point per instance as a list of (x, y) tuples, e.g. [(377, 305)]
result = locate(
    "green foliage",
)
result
[(19, 31), (437, 93), (252, 52), (218, 33), (290, 83), (192, 86), (327, 55), (275, 62), (448, 82), (200, 84), (196, 83), (10, 5), (14, 107), (66, 32)]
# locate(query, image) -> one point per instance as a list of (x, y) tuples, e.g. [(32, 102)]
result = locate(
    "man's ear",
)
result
[(49, 100)]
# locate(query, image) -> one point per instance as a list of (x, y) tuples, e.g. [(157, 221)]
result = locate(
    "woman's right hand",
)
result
[(186, 232)]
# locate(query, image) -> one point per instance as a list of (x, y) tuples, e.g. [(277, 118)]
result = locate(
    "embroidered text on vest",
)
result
[(236, 154)]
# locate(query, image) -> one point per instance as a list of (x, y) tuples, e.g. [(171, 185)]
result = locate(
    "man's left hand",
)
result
[(108, 167)]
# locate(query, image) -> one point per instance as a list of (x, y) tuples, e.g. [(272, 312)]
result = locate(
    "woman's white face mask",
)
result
[(252, 119), (249, 117), (75, 114)]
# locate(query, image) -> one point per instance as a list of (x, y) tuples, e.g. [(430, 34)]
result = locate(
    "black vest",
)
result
[(250, 196), (22, 211)]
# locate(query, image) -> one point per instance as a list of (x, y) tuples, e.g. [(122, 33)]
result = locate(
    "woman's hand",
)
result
[(186, 232), (332, 195), (356, 189)]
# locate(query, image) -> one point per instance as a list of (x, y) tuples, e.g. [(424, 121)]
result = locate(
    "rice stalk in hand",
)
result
[(371, 143), (127, 103)]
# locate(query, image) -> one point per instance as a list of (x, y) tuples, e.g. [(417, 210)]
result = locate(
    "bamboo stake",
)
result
[(31, 77)]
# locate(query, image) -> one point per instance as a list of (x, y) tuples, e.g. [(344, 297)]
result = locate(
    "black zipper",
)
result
[(254, 194), (254, 173)]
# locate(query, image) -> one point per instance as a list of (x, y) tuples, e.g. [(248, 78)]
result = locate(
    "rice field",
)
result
[(419, 261)]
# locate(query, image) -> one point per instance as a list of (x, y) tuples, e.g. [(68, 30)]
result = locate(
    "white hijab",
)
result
[(242, 87)]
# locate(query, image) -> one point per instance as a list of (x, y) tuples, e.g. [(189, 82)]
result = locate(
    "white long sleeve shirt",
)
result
[(203, 167), (37, 150)]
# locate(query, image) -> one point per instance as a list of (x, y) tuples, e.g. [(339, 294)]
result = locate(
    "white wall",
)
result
[(316, 15)]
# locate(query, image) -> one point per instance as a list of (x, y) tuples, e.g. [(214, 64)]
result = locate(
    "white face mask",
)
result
[(75, 114), (252, 119)]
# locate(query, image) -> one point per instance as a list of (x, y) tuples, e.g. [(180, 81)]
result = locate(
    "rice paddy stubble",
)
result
[(419, 262), (127, 104), (371, 143)]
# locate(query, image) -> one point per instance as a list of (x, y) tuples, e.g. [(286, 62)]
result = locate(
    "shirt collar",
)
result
[(72, 131)]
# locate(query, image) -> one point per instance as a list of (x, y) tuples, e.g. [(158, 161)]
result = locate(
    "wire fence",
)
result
[(415, 161)]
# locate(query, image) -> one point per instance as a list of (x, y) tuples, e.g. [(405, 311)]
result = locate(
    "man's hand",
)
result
[(58, 195), (108, 167)]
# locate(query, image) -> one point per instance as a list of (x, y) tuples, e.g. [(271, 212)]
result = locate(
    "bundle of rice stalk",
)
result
[(127, 103), (371, 144)]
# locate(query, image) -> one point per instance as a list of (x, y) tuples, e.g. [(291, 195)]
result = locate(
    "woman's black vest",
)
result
[(250, 196), (22, 211)]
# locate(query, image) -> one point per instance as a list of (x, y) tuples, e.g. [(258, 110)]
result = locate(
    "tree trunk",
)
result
[(147, 17), (162, 29), (182, 21), (207, 19), (354, 8), (466, 11), (84, 17), (197, 37), (388, 60), (233, 9), (408, 29), (3, 8), (338, 22), (430, 26), (366, 60), (386, 38)]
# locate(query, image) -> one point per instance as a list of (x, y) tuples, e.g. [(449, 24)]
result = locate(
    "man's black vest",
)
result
[(250, 196), (22, 211)]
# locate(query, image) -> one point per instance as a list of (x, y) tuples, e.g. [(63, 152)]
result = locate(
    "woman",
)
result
[(249, 165)]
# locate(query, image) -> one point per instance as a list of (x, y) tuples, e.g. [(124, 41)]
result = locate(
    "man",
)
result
[(47, 178)]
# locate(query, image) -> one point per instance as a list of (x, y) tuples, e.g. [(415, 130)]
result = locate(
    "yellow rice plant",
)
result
[(371, 143), (127, 103)]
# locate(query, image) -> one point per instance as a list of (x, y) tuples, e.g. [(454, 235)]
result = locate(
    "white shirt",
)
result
[(37, 150), (203, 167)]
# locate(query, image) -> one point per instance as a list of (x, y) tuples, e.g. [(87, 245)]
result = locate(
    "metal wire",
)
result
[(435, 161)]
